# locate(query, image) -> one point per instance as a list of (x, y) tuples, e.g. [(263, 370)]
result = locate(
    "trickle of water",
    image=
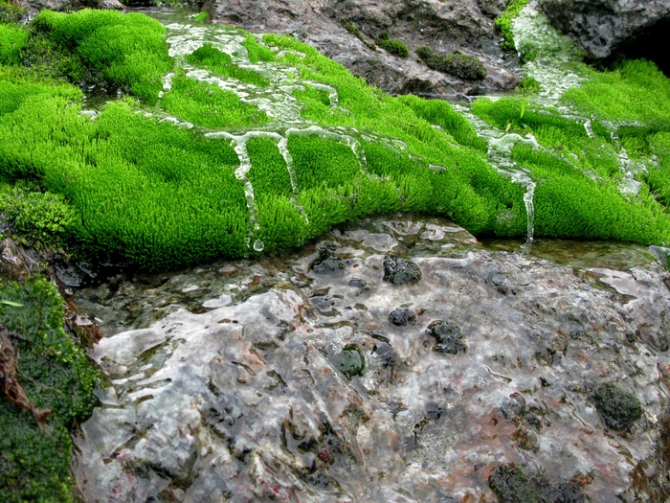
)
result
[(499, 153), (347, 139), (548, 54)]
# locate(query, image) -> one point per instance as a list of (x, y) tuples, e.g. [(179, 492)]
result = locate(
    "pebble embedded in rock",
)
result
[(350, 361), (449, 337), (400, 271), (402, 316)]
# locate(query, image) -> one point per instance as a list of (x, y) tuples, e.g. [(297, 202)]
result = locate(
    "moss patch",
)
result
[(55, 374), (392, 46)]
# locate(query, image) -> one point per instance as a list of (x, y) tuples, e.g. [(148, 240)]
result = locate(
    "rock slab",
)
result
[(601, 27), (346, 30)]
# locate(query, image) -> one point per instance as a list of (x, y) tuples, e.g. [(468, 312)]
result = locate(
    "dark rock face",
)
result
[(603, 27), (346, 30)]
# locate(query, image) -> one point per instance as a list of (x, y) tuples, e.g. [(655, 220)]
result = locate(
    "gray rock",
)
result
[(602, 27), (270, 398), (464, 26), (34, 6)]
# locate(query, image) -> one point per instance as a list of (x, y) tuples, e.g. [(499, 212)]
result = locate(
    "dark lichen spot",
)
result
[(402, 316), (618, 409), (448, 336), (400, 271), (510, 485), (350, 362)]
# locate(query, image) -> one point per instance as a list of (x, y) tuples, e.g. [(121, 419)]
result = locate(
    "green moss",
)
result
[(10, 12), (257, 52), (528, 85), (129, 50), (442, 114), (39, 219), (161, 196), (462, 66), (393, 46), (208, 105), (211, 58), (12, 40), (636, 91), (504, 22), (55, 374), (617, 408)]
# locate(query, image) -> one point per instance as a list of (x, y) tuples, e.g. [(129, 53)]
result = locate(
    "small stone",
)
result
[(449, 337), (350, 362), (402, 316), (400, 271)]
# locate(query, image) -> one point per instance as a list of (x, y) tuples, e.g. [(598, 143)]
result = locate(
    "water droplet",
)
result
[(259, 246)]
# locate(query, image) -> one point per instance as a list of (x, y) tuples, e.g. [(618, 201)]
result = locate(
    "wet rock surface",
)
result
[(346, 32), (268, 380), (603, 27)]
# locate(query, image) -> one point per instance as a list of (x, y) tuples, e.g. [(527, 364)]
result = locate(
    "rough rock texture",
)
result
[(602, 27), (444, 26), (34, 6), (285, 379)]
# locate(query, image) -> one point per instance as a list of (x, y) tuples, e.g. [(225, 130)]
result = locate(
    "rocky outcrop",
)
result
[(317, 377), (346, 30), (603, 27), (34, 6)]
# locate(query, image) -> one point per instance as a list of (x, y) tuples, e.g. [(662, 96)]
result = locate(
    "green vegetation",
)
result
[(577, 175), (461, 65), (504, 22), (127, 50), (528, 85), (55, 374), (211, 58), (163, 193), (209, 106), (10, 12), (617, 408), (392, 46), (40, 219), (12, 40)]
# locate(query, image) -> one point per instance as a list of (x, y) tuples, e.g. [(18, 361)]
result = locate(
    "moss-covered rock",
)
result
[(464, 66), (393, 46), (55, 375)]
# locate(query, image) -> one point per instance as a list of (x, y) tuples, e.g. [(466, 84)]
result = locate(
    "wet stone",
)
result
[(448, 336), (400, 271), (386, 353), (350, 362), (617, 408), (402, 316), (502, 284), (326, 263)]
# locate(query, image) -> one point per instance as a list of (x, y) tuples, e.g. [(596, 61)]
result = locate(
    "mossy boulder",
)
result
[(464, 66)]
